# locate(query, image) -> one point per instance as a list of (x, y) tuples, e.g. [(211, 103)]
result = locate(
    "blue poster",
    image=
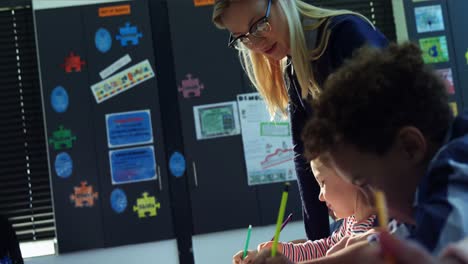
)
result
[(103, 40), (177, 164), (59, 99), (429, 18), (129, 128), (63, 165), (132, 165), (118, 200), (6, 260)]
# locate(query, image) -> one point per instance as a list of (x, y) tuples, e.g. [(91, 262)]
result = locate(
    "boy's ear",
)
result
[(412, 143)]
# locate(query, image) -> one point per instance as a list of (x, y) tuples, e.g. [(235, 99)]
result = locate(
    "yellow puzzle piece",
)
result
[(146, 204)]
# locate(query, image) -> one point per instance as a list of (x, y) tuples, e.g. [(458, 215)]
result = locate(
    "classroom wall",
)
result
[(153, 252), (398, 11), (209, 248)]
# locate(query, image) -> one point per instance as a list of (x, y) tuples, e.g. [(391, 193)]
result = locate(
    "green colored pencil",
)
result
[(282, 209), (246, 248)]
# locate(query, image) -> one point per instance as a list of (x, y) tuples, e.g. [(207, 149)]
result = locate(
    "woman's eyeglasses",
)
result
[(256, 31)]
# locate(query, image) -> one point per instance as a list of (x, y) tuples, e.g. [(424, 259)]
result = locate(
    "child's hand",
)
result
[(237, 258), (361, 237), (404, 251), (268, 245), (338, 246), (456, 253), (358, 253), (351, 240), (399, 251), (264, 257)]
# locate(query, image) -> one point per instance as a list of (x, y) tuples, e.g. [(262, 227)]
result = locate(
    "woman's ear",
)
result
[(412, 144)]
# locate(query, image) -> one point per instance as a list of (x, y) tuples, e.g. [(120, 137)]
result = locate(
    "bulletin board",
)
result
[(105, 141)]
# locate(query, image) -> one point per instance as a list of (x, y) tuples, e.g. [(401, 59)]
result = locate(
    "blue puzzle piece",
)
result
[(129, 34)]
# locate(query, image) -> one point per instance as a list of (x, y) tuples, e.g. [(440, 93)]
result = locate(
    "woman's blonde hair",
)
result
[(267, 75)]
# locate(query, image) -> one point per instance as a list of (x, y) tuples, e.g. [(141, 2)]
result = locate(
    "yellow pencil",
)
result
[(381, 207), (382, 216), (282, 209)]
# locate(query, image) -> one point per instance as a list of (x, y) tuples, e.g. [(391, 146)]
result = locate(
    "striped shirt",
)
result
[(318, 248)]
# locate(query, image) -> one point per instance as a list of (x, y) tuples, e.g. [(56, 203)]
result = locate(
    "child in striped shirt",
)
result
[(345, 200)]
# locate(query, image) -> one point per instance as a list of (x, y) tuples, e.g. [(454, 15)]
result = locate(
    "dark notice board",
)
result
[(130, 202), (220, 196)]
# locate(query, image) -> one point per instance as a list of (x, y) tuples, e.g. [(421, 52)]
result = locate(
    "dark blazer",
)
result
[(348, 33)]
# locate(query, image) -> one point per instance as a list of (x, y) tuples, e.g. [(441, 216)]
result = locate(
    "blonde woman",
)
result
[(288, 48)]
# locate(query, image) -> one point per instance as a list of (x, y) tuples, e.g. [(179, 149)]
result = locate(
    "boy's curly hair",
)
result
[(372, 96)]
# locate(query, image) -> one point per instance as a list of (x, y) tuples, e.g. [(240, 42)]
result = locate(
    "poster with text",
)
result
[(216, 120), (132, 165), (129, 128), (268, 148)]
